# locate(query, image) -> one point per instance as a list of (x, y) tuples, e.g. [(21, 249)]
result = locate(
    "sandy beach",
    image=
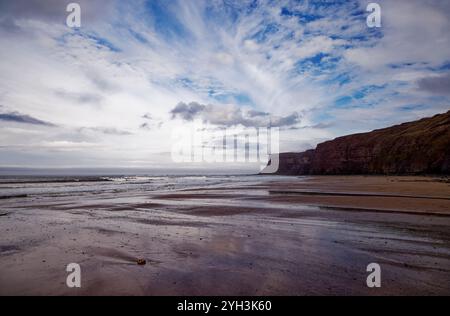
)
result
[(241, 236)]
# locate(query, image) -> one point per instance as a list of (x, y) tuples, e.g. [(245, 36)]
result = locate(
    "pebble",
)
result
[(141, 262)]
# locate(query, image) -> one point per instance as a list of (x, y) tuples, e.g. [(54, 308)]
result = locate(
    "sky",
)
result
[(110, 93)]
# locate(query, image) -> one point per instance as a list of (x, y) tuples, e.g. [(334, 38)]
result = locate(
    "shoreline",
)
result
[(232, 238)]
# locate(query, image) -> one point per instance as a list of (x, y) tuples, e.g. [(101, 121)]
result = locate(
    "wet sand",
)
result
[(286, 236)]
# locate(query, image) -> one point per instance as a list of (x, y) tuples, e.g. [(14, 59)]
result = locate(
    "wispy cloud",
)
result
[(309, 66), (439, 85), (79, 97), (16, 117), (108, 131), (231, 115)]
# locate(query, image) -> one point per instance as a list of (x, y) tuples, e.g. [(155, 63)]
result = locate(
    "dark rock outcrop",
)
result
[(419, 147)]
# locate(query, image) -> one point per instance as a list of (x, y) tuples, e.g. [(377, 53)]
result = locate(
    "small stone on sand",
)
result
[(141, 262)]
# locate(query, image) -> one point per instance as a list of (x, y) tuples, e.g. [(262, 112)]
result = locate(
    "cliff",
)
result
[(419, 147)]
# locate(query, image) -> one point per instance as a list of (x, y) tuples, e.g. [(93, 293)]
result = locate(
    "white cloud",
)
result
[(97, 84)]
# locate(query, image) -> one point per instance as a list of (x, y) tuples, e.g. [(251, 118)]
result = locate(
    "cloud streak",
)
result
[(312, 67), (16, 117), (230, 115), (439, 85)]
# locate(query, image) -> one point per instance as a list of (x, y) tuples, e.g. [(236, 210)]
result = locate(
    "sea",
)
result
[(31, 182)]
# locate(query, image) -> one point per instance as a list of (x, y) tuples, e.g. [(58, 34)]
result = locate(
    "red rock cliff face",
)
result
[(411, 148)]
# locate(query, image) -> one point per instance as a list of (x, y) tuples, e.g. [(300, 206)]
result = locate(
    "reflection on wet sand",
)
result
[(258, 237)]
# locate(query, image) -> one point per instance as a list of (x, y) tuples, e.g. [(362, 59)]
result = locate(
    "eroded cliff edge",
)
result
[(419, 147)]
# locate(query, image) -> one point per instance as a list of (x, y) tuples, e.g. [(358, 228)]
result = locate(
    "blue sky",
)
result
[(106, 93)]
